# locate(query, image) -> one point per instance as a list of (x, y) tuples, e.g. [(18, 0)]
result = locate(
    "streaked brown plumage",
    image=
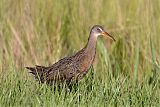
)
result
[(71, 68)]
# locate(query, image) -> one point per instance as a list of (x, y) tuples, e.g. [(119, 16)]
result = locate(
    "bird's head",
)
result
[(98, 30)]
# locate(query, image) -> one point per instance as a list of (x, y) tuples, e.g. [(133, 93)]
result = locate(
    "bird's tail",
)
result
[(38, 72)]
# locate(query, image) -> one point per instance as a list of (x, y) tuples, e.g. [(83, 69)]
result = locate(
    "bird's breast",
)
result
[(85, 63)]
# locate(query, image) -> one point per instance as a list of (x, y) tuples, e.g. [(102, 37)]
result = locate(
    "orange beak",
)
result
[(108, 35)]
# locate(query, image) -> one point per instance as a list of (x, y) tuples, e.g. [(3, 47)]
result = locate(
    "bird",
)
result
[(72, 68)]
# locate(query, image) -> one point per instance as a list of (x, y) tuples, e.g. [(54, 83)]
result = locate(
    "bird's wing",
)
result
[(62, 70)]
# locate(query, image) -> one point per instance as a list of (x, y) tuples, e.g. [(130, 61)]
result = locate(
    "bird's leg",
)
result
[(92, 72)]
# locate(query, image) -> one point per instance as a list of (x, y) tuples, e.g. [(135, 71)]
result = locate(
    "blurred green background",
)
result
[(43, 31)]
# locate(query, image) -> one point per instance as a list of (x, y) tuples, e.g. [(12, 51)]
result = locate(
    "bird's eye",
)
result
[(98, 29)]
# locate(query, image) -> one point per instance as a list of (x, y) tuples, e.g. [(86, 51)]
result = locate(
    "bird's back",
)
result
[(67, 69)]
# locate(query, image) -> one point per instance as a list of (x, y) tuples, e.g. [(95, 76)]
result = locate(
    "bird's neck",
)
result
[(91, 45)]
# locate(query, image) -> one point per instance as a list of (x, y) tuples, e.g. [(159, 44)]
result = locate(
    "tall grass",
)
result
[(126, 72)]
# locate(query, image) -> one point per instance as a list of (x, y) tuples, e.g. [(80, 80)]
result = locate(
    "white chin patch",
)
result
[(96, 35)]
